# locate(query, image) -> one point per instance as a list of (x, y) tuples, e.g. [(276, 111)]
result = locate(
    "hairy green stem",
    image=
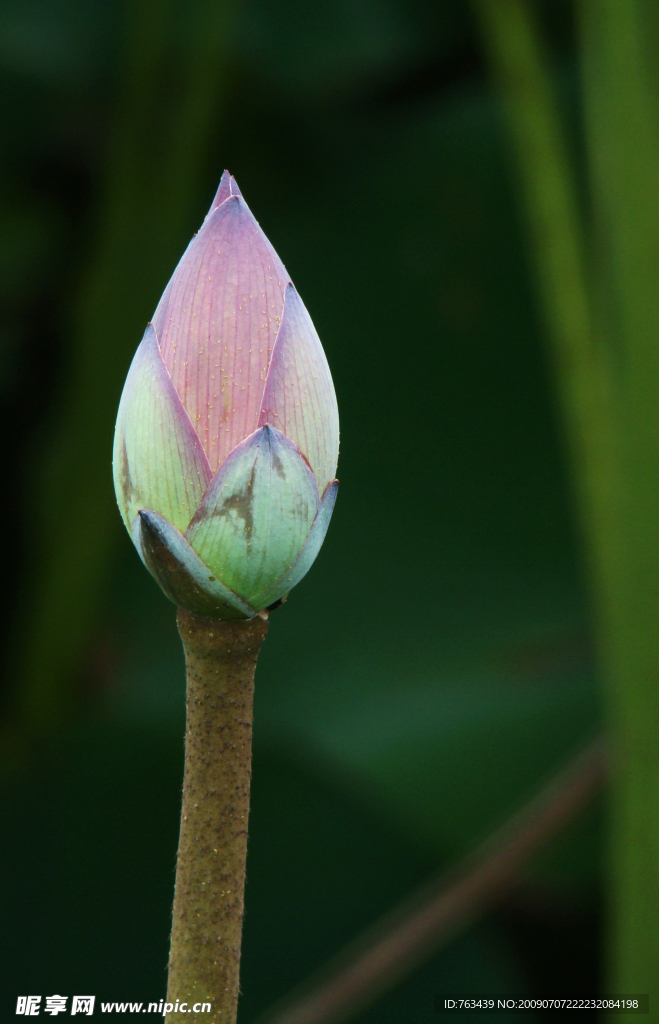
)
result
[(204, 960)]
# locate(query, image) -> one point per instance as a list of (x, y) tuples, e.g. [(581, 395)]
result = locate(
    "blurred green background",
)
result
[(435, 667)]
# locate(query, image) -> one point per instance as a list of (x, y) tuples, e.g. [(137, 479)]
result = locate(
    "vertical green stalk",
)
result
[(557, 246), (145, 205), (605, 343), (579, 343), (204, 960), (622, 131)]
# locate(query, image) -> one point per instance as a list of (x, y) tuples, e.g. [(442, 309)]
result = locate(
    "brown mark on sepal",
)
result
[(128, 489), (240, 502)]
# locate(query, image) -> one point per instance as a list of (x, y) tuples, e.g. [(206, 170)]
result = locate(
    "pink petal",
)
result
[(299, 398), (228, 187), (217, 323)]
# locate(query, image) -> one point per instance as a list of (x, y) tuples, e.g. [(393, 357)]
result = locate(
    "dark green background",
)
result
[(434, 667)]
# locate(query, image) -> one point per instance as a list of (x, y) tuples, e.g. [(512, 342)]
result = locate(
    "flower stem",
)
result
[(204, 960)]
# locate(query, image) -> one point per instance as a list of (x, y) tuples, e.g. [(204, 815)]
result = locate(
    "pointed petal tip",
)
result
[(181, 573), (227, 189), (271, 436), (232, 206), (265, 432), (151, 335)]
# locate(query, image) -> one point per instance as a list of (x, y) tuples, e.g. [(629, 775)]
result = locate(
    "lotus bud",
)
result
[(227, 434)]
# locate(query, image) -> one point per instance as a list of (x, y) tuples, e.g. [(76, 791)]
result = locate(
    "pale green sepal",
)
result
[(180, 572), (158, 462), (307, 556), (256, 514)]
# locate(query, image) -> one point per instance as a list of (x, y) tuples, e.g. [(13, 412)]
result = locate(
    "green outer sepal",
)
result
[(308, 554), (158, 460), (180, 572), (257, 513)]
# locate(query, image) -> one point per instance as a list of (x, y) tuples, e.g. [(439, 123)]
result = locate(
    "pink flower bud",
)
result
[(227, 434)]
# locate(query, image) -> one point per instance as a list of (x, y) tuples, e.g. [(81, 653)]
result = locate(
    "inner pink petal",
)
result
[(217, 322)]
